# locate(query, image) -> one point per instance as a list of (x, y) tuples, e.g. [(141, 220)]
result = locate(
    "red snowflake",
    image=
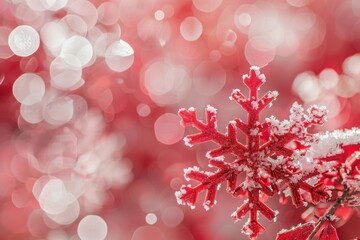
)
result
[(274, 157)]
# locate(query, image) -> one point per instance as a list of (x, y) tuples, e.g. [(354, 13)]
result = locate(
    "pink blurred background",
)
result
[(90, 142)]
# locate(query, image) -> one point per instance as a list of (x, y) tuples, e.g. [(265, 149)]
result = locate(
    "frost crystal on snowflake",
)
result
[(339, 152), (332, 143), (271, 159)]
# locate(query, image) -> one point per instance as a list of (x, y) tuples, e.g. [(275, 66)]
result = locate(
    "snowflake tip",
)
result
[(188, 171), (181, 110), (233, 123), (296, 107), (261, 76), (178, 195), (254, 79), (252, 228), (255, 68), (236, 216), (186, 196), (211, 109), (234, 92), (273, 94), (190, 109), (219, 158), (207, 205), (275, 216), (187, 142)]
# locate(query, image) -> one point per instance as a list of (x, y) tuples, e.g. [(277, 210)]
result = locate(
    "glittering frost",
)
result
[(330, 143)]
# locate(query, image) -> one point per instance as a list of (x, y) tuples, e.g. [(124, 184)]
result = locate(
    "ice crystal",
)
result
[(273, 158)]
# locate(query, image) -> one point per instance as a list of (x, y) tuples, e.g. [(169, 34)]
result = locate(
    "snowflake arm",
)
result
[(228, 143), (254, 206), (208, 181)]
